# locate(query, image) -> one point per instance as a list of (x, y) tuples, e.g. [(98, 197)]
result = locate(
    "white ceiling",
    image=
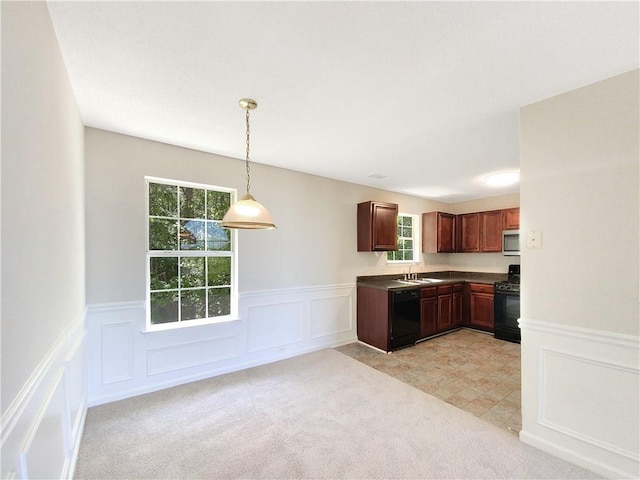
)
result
[(425, 94)]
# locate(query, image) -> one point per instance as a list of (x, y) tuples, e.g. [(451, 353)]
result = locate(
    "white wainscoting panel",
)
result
[(124, 360), (44, 451), (42, 427), (117, 352), (274, 325), (581, 396), (331, 315), (191, 354)]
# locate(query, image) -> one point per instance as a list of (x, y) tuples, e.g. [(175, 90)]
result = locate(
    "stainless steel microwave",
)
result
[(511, 242)]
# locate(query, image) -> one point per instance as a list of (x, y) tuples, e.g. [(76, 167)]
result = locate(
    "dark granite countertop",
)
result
[(389, 282)]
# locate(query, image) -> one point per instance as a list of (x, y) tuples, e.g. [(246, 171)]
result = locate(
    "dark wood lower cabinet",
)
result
[(481, 306), (428, 312), (442, 308), (445, 304), (373, 317), (457, 307)]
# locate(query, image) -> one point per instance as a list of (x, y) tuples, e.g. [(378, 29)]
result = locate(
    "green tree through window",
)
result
[(190, 255), (407, 239)]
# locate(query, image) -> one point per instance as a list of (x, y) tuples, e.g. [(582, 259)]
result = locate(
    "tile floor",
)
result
[(466, 368)]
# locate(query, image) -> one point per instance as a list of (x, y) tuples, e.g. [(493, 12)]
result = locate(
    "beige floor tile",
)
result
[(479, 406), (458, 401), (468, 369)]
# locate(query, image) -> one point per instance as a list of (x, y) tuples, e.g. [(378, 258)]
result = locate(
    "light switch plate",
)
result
[(534, 239)]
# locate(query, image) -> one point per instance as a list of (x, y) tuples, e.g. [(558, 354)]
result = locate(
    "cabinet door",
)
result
[(438, 232), (491, 231), (511, 219), (444, 312), (385, 226), (456, 308), (481, 306), (469, 236), (377, 226), (446, 233), (428, 316)]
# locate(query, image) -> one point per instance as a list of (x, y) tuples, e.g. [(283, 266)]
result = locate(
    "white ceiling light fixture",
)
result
[(502, 179), (247, 213)]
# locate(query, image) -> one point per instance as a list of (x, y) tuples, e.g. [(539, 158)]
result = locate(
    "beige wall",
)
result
[(42, 196), (315, 243), (498, 202), (579, 166), (579, 309)]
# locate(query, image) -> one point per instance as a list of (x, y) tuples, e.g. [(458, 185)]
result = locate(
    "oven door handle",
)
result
[(510, 294)]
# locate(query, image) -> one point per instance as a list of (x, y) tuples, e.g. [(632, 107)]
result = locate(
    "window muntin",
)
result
[(191, 258), (407, 240)]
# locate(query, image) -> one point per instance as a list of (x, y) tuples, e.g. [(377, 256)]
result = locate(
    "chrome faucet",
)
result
[(408, 276)]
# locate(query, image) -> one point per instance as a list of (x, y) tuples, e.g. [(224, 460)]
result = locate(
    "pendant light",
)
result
[(247, 213)]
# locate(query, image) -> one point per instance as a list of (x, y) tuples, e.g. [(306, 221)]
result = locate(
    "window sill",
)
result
[(189, 324)]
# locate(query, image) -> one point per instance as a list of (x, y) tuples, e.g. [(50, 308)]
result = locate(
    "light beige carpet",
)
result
[(320, 415)]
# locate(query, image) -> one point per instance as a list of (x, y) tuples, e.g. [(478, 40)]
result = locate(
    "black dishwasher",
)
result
[(405, 322)]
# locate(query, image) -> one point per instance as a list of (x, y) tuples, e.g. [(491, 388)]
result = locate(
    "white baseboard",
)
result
[(273, 325), (42, 428), (604, 469), (581, 396)]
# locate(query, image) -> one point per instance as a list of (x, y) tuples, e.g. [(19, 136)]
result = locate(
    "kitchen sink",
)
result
[(419, 281)]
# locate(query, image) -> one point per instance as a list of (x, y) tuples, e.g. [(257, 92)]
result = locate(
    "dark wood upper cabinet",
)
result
[(468, 237), (480, 231), (438, 232), (377, 226), (491, 231), (511, 219)]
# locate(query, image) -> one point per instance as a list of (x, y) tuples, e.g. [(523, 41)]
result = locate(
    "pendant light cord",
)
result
[(247, 160)]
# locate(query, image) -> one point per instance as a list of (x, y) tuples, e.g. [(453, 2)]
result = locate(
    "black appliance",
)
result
[(506, 306), (405, 324)]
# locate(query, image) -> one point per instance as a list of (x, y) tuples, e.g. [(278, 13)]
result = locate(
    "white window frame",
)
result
[(415, 229), (233, 255)]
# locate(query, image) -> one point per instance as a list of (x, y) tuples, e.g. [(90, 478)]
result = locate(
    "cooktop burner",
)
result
[(512, 283)]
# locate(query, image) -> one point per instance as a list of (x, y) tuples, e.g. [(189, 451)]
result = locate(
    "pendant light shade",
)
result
[(247, 213)]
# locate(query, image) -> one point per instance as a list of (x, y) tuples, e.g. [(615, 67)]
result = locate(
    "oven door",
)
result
[(506, 312)]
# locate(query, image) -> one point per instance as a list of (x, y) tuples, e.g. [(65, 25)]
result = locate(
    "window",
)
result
[(407, 239), (190, 258)]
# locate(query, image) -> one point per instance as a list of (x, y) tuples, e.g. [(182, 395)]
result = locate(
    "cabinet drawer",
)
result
[(481, 288), (445, 289), (457, 287), (429, 292)]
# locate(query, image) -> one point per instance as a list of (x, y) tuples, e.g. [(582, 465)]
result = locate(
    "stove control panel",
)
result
[(507, 287)]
